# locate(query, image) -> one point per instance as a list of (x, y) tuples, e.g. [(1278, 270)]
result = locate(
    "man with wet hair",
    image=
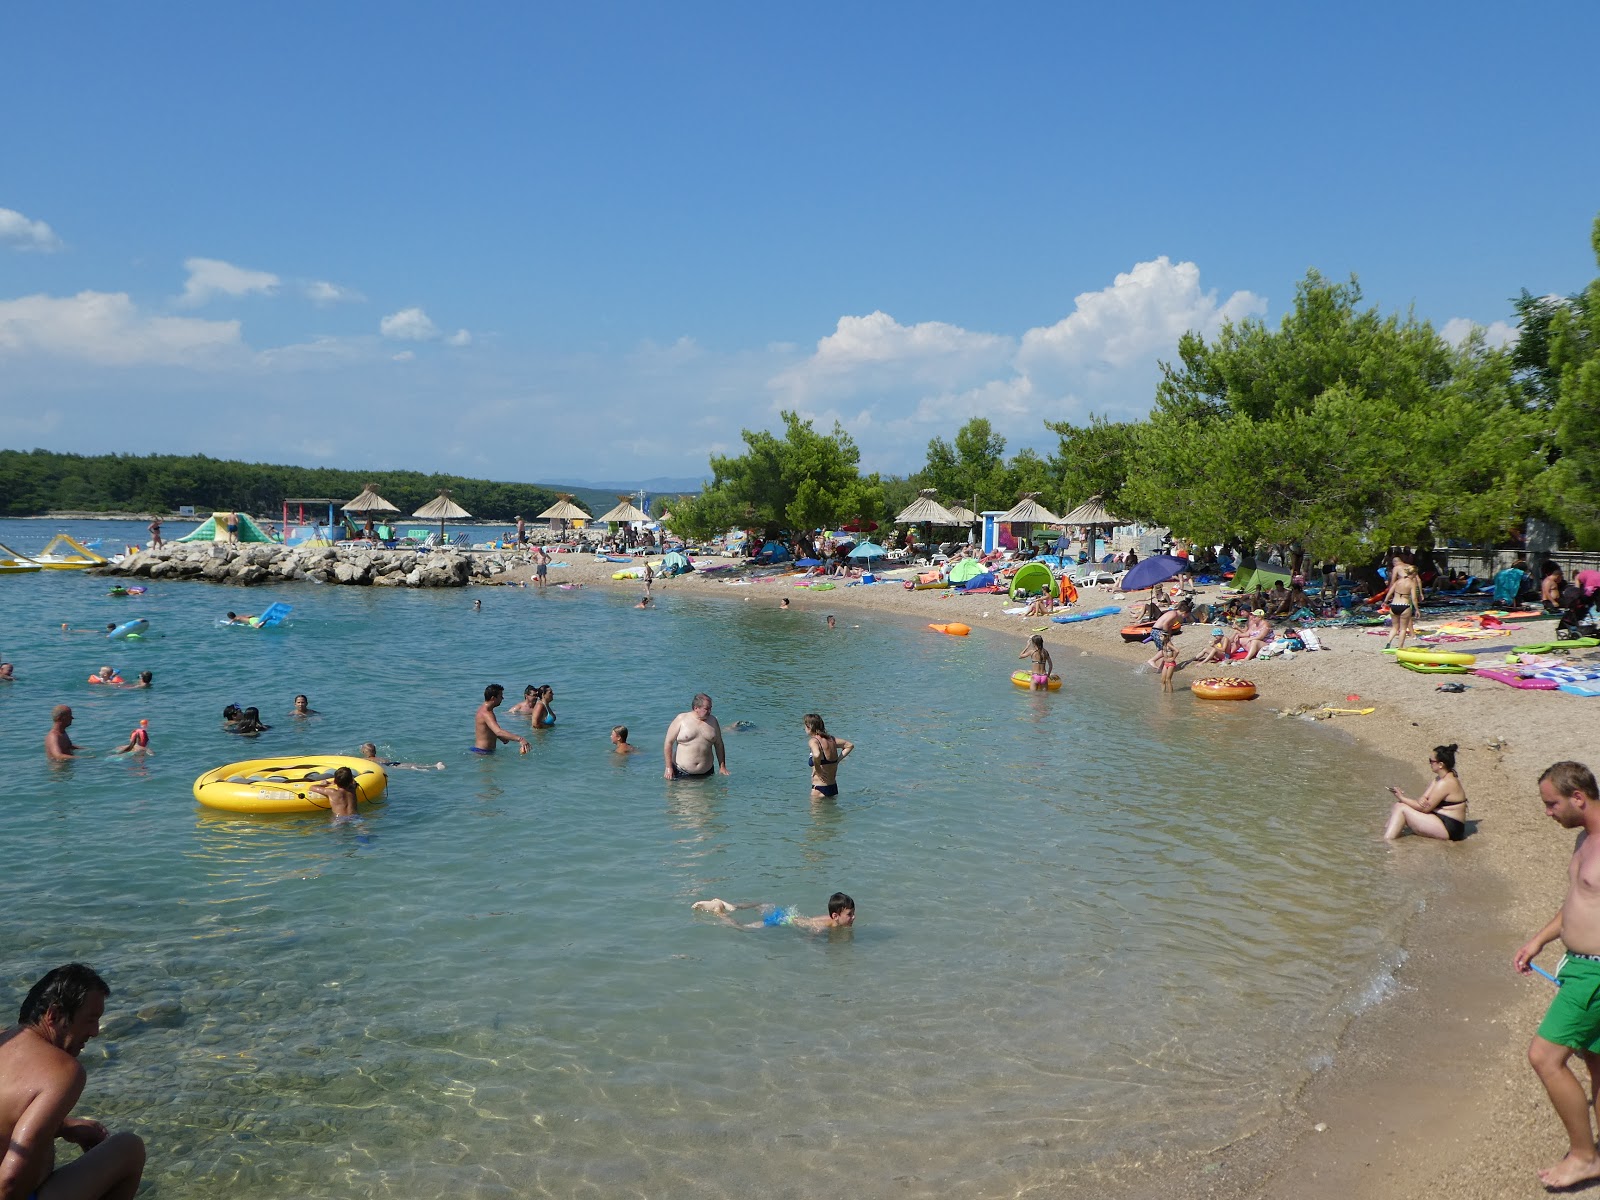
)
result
[(841, 914), (486, 731), (1572, 1024), (40, 1081)]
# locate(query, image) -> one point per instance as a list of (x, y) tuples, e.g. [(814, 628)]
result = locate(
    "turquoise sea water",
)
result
[(1094, 926)]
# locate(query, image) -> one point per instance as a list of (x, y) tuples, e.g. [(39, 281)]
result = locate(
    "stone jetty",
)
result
[(253, 563)]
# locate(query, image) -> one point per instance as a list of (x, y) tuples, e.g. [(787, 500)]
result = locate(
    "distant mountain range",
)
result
[(657, 485)]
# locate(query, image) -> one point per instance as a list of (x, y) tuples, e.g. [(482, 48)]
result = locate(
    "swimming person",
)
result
[(138, 740), (524, 707), (486, 731), (41, 1081), (831, 622), (1441, 811), (693, 747), (340, 792), (1572, 1024), (57, 744), (105, 675), (5, 673), (146, 679), (619, 741), (1043, 664), (235, 619), (230, 716), (841, 914), (302, 707), (370, 751), (826, 753), (249, 723), (644, 601)]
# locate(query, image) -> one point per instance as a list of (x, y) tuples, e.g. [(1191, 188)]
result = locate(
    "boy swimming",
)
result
[(841, 914)]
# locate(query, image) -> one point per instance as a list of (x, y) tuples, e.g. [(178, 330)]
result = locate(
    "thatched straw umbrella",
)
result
[(625, 511), (1091, 514), (1028, 511), (563, 510), (441, 508), (369, 502), (925, 510)]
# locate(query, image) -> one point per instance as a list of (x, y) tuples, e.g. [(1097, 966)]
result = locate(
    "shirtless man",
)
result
[(1572, 1024), (5, 673), (40, 1081), (693, 747), (369, 751), (486, 731), (302, 707), (57, 744), (541, 565)]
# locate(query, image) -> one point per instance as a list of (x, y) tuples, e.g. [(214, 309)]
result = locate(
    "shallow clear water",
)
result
[(1093, 925)]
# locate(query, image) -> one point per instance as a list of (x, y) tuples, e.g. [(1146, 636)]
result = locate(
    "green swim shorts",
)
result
[(1574, 1016)]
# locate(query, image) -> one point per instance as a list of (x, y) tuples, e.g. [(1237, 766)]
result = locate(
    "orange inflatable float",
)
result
[(954, 629), (1223, 688)]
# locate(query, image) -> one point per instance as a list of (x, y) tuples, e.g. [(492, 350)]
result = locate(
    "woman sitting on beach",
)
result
[(1550, 589), (1440, 812), (1257, 633)]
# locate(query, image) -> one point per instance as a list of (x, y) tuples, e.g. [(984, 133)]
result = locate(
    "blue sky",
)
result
[(595, 241)]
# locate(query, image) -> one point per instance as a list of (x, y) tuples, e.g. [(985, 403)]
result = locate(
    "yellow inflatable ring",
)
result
[(1024, 679), (1223, 689), (1438, 658), (954, 629), (278, 785)]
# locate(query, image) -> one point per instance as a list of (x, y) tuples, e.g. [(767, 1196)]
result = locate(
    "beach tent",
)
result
[(966, 569), (676, 563), (986, 579), (1032, 577), (774, 552), (215, 529), (1251, 576)]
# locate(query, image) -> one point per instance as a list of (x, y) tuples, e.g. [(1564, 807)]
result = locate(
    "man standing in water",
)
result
[(40, 1081), (56, 743), (486, 731), (541, 565), (693, 747), (1572, 1024)]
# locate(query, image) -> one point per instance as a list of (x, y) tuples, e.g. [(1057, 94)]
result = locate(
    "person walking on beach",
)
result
[(649, 578), (1404, 597), (486, 731), (693, 746), (826, 753), (40, 1082), (1572, 1024), (57, 745)]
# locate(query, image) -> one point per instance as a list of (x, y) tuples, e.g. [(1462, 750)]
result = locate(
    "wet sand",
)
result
[(1429, 1095)]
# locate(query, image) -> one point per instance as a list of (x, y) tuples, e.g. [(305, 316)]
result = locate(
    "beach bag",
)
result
[(1311, 640)]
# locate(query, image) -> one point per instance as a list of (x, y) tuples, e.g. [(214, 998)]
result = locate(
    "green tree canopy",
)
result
[(802, 480), (1572, 486)]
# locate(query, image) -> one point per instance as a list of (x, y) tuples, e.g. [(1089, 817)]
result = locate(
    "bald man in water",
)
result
[(40, 1082), (57, 744)]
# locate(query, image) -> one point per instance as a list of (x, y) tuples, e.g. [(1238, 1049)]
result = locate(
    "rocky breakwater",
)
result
[(252, 564)]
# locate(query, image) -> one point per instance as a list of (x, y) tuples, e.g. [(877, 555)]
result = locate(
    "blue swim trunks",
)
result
[(779, 916), (478, 750)]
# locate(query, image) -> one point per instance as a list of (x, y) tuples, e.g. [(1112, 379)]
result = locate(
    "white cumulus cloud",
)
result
[(22, 234), (409, 325), (459, 338), (108, 328), (1496, 334), (1144, 312), (211, 277), (321, 292)]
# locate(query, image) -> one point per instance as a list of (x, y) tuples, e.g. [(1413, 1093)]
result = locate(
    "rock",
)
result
[(163, 1014), (248, 574)]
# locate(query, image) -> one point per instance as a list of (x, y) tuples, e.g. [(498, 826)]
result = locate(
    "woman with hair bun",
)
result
[(1441, 811)]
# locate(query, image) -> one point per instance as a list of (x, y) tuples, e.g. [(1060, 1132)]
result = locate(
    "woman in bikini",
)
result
[(544, 714), (1404, 597), (827, 752), (1440, 812)]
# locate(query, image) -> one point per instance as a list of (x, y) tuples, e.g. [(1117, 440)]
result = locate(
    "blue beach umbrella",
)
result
[(869, 551), (1158, 568)]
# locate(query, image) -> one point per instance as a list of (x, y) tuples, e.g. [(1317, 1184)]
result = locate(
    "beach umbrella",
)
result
[(925, 510), (563, 510), (441, 509), (860, 525), (1158, 568), (1092, 514), (369, 502), (868, 551), (1028, 511), (625, 511)]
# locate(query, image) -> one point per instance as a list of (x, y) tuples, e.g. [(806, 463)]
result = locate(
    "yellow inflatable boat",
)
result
[(280, 785), (1435, 658)]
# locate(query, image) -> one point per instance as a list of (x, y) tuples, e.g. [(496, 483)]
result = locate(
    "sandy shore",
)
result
[(1430, 1095)]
